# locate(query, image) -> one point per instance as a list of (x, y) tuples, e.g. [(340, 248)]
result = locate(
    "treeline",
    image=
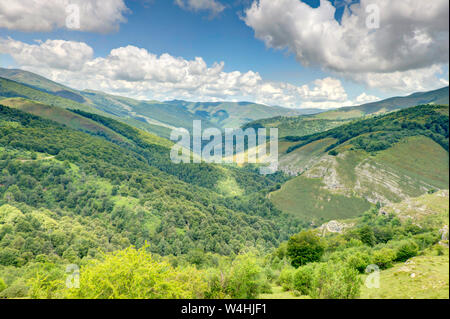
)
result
[(381, 132)]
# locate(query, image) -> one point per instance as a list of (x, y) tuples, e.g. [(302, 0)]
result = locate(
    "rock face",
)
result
[(333, 226)]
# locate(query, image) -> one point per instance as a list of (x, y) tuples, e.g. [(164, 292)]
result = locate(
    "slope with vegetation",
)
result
[(384, 159)]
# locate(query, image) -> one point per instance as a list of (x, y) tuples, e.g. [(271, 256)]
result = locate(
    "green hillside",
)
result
[(40, 83), (437, 97), (153, 116), (233, 114), (296, 125), (381, 160), (10, 89)]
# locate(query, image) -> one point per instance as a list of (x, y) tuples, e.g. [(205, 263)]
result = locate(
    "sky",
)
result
[(291, 53)]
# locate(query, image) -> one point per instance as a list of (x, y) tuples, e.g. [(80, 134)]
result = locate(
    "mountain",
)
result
[(307, 124), (379, 160), (156, 117), (438, 97), (126, 180), (235, 114)]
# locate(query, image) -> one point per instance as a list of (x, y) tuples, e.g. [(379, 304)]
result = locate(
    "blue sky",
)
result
[(162, 26)]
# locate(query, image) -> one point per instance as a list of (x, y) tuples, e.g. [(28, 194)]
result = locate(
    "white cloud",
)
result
[(135, 72), (46, 15), (57, 54), (215, 7), (413, 35), (365, 98)]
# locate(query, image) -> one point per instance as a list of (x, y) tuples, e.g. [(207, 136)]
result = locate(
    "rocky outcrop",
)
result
[(333, 226)]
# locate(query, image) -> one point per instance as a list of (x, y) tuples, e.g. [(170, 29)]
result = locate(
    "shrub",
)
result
[(406, 250), (16, 290), (383, 258), (335, 281), (358, 260), (367, 235), (246, 279), (303, 278), (304, 248), (286, 279), (135, 274), (2, 285)]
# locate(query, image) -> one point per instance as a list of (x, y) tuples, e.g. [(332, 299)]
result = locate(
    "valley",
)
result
[(87, 179)]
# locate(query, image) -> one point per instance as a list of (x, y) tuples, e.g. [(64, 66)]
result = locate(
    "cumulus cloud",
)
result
[(213, 6), (365, 98), (46, 15), (135, 72), (412, 36)]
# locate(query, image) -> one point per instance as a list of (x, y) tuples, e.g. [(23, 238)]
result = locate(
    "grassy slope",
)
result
[(10, 88), (438, 97), (61, 116), (306, 198), (424, 277), (406, 168), (341, 186)]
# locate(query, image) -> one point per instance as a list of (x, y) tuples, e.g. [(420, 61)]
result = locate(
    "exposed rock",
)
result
[(334, 227)]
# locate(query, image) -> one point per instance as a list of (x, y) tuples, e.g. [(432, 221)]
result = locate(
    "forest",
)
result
[(139, 226)]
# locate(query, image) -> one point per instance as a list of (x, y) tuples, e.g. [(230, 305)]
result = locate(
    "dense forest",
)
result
[(382, 131), (139, 226)]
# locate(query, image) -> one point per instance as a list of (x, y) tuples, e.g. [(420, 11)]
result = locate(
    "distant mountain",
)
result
[(314, 123), (157, 117), (438, 97), (236, 114)]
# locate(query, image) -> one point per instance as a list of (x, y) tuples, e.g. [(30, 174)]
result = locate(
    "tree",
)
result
[(407, 249), (246, 279), (136, 274), (367, 235), (305, 247), (335, 281)]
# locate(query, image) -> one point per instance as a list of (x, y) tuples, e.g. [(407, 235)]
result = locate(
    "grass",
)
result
[(304, 157), (306, 198), (420, 159), (61, 116), (424, 277), (279, 293)]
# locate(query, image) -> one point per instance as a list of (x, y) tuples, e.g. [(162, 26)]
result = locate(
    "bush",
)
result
[(286, 279), (135, 274), (303, 279), (367, 236), (335, 281), (383, 258), (246, 280), (358, 260), (2, 285), (216, 284), (16, 290), (406, 250), (305, 247)]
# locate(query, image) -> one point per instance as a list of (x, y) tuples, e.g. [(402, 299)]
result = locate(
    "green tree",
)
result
[(304, 248), (246, 280), (335, 281)]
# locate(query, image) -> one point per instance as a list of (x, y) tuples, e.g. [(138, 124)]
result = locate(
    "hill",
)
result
[(437, 97), (153, 116), (133, 185), (381, 160), (235, 114)]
